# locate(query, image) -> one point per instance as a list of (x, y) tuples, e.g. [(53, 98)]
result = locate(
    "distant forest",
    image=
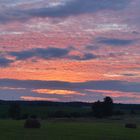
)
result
[(48, 109)]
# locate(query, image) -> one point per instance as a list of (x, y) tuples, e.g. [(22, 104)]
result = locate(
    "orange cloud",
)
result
[(58, 92), (30, 98)]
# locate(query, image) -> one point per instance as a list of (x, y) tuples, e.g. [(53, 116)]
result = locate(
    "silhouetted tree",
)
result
[(14, 111), (108, 106), (103, 109), (97, 108)]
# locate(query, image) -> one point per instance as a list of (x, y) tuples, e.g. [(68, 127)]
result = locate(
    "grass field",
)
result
[(55, 130)]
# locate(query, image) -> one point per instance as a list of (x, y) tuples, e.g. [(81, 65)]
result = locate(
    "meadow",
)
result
[(68, 130), (68, 121)]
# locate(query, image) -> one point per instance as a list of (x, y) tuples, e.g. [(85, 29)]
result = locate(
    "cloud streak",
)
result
[(115, 41), (4, 62), (51, 53), (66, 9), (41, 53), (76, 7), (112, 85)]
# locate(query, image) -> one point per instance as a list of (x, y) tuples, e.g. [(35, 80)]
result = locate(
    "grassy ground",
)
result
[(56, 130)]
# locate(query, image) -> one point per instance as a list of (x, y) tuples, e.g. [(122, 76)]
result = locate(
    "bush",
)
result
[(131, 125), (32, 123)]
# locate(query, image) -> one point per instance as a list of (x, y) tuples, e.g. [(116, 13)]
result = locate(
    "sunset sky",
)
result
[(70, 50)]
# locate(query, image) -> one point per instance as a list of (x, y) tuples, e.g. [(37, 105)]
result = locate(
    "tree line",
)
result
[(103, 109), (98, 109)]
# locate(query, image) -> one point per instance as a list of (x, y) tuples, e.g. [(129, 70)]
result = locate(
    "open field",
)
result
[(68, 130)]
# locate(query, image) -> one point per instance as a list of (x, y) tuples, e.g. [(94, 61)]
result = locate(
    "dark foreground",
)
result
[(69, 130)]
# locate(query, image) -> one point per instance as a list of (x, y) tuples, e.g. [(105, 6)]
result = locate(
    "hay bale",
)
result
[(130, 125), (32, 123)]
